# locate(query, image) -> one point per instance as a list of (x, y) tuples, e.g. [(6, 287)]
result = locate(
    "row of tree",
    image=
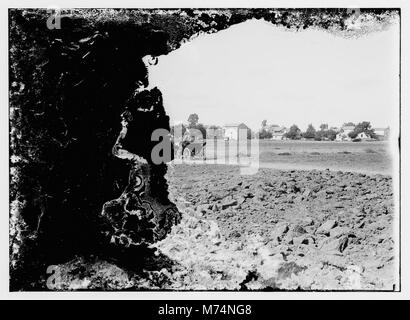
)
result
[(324, 133), (294, 133)]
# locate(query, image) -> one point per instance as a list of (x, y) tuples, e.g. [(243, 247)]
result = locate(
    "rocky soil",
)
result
[(276, 230), (336, 226)]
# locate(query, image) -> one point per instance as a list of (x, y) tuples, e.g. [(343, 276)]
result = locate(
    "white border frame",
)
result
[(4, 158)]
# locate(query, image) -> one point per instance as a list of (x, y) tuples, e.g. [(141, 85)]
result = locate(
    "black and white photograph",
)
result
[(204, 149)]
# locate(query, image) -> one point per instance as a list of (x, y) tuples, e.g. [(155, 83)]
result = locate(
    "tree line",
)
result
[(294, 132), (324, 132)]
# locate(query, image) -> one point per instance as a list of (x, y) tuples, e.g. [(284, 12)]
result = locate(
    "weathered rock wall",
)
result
[(68, 90)]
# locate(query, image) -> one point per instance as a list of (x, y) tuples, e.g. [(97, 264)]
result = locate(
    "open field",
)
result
[(367, 157)]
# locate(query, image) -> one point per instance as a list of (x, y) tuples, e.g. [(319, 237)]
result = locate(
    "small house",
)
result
[(341, 136), (363, 136), (231, 131), (382, 133), (278, 132)]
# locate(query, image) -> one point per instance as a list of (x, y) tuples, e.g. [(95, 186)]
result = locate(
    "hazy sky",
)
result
[(254, 71)]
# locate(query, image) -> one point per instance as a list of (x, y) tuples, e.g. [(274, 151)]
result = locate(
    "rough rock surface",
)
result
[(345, 223), (143, 214)]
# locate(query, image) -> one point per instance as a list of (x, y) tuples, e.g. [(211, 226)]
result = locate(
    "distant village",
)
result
[(362, 131)]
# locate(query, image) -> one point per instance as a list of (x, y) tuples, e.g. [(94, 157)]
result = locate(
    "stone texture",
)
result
[(326, 227)]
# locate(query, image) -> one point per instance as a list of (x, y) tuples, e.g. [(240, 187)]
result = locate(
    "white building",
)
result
[(347, 129), (231, 131), (363, 136), (278, 132), (382, 133), (343, 135)]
